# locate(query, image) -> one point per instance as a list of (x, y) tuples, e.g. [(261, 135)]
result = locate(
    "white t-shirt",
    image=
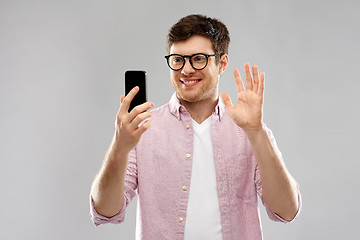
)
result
[(203, 213)]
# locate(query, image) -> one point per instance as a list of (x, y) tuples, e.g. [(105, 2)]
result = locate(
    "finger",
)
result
[(255, 78), (125, 104), (138, 110), (238, 81), (118, 115), (121, 101), (139, 119), (262, 84), (227, 100), (249, 80), (145, 126)]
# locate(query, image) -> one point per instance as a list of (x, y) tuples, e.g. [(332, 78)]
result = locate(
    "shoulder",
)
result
[(161, 113), (161, 110), (162, 117)]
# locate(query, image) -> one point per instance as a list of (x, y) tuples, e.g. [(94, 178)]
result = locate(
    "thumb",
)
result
[(226, 100)]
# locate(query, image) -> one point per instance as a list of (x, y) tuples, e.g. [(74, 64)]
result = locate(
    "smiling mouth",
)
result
[(190, 82)]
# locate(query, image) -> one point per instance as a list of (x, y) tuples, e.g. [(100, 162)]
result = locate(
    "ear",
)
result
[(224, 61)]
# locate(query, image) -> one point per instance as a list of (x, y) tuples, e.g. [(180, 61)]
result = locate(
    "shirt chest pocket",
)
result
[(241, 174)]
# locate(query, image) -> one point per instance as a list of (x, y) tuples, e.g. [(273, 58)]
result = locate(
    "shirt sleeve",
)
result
[(99, 219), (273, 216), (129, 193)]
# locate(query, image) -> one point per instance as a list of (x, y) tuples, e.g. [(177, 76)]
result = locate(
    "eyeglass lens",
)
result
[(197, 61)]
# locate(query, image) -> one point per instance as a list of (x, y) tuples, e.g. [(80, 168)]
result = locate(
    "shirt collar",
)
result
[(176, 108)]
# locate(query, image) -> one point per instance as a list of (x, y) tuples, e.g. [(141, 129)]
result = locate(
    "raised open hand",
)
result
[(247, 113)]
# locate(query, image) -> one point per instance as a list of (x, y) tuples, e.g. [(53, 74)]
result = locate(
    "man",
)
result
[(197, 163)]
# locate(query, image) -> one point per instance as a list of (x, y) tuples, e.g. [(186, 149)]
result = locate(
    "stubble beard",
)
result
[(200, 96)]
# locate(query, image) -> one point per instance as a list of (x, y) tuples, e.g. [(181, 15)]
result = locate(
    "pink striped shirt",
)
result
[(159, 171)]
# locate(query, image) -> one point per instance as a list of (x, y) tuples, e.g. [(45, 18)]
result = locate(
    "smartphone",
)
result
[(135, 78)]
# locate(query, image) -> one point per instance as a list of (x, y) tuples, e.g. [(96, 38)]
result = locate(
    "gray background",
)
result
[(62, 67)]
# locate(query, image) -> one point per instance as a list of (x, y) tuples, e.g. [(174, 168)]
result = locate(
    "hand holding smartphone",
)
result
[(135, 78)]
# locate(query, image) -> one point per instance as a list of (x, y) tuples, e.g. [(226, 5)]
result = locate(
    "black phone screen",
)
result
[(136, 78)]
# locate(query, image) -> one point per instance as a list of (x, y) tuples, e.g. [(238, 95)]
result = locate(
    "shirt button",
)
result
[(181, 219), (188, 155), (182, 109), (184, 188), (187, 126)]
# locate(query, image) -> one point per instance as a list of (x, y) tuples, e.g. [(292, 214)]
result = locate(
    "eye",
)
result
[(199, 58), (176, 59)]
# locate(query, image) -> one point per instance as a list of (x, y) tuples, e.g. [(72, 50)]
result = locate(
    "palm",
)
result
[(247, 113)]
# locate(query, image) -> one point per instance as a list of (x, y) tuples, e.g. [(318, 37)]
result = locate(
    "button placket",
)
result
[(184, 186)]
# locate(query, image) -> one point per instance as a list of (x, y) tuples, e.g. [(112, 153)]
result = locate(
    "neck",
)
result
[(200, 110)]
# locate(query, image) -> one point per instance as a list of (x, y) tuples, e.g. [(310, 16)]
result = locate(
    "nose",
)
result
[(187, 69)]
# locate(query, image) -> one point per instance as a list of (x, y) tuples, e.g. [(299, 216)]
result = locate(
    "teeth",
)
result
[(190, 82)]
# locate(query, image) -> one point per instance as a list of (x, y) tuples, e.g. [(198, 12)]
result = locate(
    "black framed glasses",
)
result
[(198, 61)]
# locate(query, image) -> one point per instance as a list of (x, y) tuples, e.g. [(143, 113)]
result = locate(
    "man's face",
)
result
[(196, 85)]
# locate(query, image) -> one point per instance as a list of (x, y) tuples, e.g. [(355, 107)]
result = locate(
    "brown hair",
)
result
[(196, 24)]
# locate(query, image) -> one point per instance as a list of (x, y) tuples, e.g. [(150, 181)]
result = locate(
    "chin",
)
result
[(191, 98), (186, 97)]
